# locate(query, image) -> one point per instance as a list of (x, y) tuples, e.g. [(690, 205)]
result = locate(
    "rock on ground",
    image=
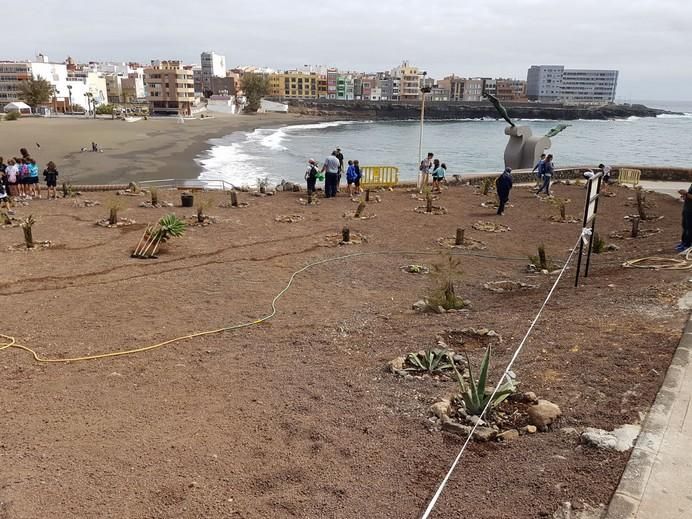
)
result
[(621, 439), (543, 414)]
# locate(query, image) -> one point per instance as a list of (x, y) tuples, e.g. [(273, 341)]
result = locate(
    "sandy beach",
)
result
[(143, 150)]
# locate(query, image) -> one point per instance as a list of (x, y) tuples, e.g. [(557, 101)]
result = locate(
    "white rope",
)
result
[(438, 493)]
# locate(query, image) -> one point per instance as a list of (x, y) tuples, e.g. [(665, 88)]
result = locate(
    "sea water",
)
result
[(466, 146)]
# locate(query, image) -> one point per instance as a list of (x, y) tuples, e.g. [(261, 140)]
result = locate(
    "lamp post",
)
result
[(424, 90)]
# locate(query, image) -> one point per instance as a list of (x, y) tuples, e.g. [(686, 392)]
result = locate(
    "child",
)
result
[(34, 188), (351, 178), (12, 173), (4, 198), (311, 175), (23, 177), (51, 176), (438, 176), (356, 166)]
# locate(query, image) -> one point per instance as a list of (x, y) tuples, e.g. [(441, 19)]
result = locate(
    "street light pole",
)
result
[(424, 90)]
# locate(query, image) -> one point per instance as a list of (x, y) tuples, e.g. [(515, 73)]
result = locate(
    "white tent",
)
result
[(18, 106)]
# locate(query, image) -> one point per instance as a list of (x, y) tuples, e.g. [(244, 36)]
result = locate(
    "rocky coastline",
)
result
[(387, 110)]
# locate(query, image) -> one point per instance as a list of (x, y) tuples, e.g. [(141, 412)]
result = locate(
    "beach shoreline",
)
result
[(154, 149)]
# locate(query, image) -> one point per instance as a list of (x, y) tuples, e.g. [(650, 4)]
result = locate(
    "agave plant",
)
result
[(474, 393), (432, 361), (170, 226)]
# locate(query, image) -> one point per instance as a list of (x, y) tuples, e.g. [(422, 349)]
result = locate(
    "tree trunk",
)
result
[(641, 200), (346, 235), (234, 199), (113, 217), (361, 208), (367, 195), (428, 203), (563, 211), (460, 236), (28, 238), (541, 257), (635, 227)]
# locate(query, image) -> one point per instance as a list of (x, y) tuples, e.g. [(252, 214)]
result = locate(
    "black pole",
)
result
[(581, 250)]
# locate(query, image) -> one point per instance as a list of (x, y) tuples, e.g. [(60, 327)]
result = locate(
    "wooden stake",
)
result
[(541, 257), (428, 203), (635, 227), (345, 235), (460, 236), (234, 199), (367, 195)]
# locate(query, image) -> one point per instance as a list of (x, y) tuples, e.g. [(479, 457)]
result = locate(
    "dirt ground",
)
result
[(298, 417)]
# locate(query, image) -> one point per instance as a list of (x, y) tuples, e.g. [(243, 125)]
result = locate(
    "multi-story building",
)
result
[(473, 89), (455, 86), (489, 86), (294, 84), (410, 82), (170, 88), (12, 73), (513, 90), (438, 93), (555, 83), (332, 78), (213, 65)]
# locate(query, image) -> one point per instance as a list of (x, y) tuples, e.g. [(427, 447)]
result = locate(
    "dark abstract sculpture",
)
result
[(500, 109)]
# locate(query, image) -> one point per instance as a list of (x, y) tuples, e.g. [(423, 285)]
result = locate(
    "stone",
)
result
[(530, 397), (441, 409), (440, 310), (473, 420), (571, 431), (509, 435), (611, 247), (420, 306), (396, 365), (621, 439), (456, 428), (543, 414), (484, 434), (529, 429)]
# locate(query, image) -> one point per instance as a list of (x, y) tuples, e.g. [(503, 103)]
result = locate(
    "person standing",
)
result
[(311, 175), (12, 173), (503, 185), (606, 176), (438, 175), (686, 240), (356, 166), (339, 156), (547, 173), (3, 176), (351, 178), (424, 169), (51, 176), (33, 185), (538, 168), (330, 168)]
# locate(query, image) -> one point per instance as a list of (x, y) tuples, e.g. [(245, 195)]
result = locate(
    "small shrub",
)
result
[(12, 116), (154, 196), (114, 206), (486, 185), (641, 203), (170, 226), (474, 393), (445, 274), (541, 261), (202, 204), (430, 361), (27, 225)]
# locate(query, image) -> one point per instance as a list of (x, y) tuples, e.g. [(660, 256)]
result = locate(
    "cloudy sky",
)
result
[(649, 41)]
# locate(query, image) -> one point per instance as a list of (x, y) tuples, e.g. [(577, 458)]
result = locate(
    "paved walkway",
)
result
[(657, 482)]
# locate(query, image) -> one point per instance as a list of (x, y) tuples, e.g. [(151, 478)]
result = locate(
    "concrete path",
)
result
[(657, 482)]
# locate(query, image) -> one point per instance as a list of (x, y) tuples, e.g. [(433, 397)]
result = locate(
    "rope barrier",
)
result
[(12, 342), (442, 485)]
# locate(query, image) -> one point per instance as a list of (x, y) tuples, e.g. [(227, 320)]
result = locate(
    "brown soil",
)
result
[(297, 417)]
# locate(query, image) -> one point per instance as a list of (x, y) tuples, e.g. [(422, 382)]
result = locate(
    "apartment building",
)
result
[(473, 89), (512, 90), (170, 88), (411, 80), (12, 73), (555, 83), (213, 65), (294, 84)]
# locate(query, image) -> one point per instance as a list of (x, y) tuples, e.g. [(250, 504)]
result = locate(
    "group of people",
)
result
[(19, 179), (332, 172), (430, 165)]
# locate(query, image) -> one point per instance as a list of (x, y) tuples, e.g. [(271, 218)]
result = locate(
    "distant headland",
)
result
[(393, 110)]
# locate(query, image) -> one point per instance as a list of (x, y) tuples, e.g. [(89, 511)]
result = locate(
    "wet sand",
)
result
[(143, 150)]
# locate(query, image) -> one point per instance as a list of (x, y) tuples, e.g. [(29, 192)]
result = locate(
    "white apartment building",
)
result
[(555, 83), (213, 65), (12, 73)]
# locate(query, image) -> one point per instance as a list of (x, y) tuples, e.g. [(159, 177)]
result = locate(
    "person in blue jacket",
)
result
[(503, 184)]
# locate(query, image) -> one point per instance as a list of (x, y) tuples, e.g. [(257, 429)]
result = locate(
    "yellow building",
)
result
[(295, 84)]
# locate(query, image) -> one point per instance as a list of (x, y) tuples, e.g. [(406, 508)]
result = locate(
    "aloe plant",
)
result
[(474, 393), (432, 361)]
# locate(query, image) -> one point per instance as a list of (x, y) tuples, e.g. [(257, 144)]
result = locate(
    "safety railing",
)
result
[(379, 176), (629, 176), (191, 185)]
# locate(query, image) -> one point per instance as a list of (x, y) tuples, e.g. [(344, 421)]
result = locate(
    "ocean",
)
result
[(466, 146)]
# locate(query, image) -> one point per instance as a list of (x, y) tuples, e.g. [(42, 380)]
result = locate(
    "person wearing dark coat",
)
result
[(503, 184)]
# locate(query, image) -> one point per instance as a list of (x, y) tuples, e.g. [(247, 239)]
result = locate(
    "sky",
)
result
[(648, 41)]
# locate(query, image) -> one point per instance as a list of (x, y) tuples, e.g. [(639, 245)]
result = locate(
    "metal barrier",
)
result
[(189, 185), (629, 176), (379, 176)]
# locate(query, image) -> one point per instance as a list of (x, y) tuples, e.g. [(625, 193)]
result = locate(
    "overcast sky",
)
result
[(648, 41)]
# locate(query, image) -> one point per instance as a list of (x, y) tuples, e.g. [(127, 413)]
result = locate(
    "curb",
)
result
[(629, 493)]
